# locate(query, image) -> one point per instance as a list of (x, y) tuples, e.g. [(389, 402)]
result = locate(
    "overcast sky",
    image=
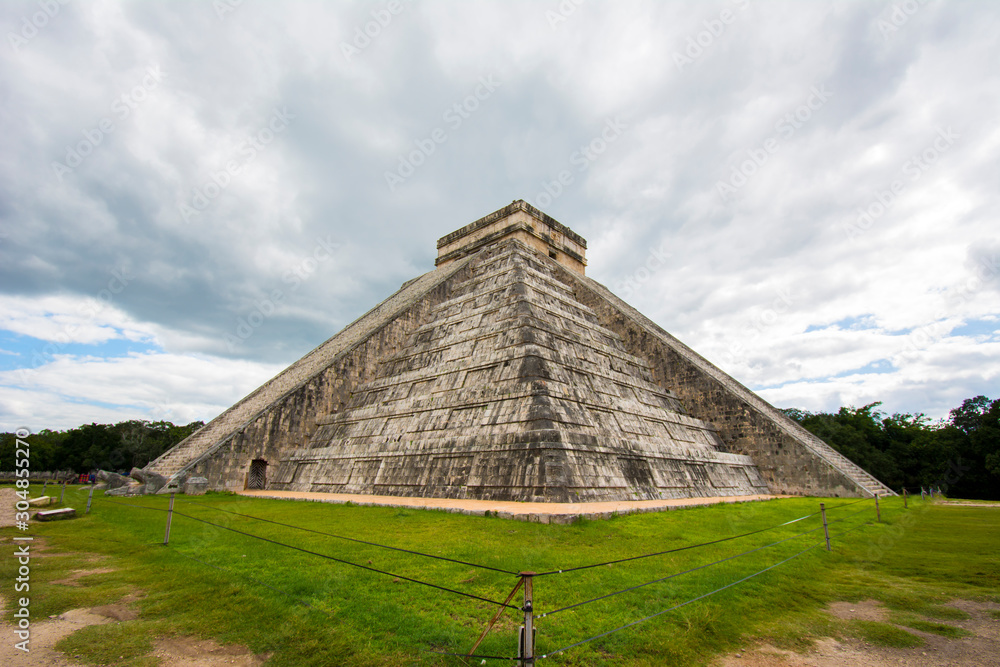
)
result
[(195, 194)]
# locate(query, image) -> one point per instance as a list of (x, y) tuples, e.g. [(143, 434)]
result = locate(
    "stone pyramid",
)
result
[(507, 374)]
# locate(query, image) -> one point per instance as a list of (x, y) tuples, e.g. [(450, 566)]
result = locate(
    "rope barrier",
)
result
[(850, 530), (678, 606), (142, 507), (347, 562), (670, 551), (830, 509), (351, 539), (693, 569), (844, 518), (262, 583), (466, 655)]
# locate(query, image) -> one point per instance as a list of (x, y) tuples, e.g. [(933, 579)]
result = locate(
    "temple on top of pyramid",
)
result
[(507, 374)]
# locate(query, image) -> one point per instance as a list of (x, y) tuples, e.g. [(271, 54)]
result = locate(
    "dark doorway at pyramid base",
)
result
[(541, 474), (257, 477)]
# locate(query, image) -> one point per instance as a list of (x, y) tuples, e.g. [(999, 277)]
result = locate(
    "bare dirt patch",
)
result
[(866, 610), (74, 578), (172, 651), (981, 650), (45, 635), (8, 497), (192, 652)]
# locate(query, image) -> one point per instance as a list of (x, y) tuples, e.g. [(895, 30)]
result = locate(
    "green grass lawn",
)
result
[(210, 582)]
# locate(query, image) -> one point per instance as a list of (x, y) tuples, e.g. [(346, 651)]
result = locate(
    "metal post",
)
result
[(90, 497), (62, 494), (527, 652), (826, 528), (170, 515), (905, 505), (44, 485), (878, 512)]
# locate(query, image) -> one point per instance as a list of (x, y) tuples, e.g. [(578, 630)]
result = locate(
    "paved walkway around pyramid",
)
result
[(536, 512)]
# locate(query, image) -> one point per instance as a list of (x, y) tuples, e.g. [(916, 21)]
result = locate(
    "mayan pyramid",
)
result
[(507, 374)]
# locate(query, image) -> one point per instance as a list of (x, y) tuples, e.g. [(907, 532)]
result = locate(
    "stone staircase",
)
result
[(850, 469)]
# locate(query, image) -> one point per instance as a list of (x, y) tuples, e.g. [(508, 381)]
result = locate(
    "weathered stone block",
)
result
[(196, 486)]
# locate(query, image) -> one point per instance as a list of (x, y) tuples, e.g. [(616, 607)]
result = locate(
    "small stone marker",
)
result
[(41, 501), (196, 486), (55, 515)]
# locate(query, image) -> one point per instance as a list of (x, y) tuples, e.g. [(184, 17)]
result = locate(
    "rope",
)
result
[(464, 655), (830, 509), (347, 562), (351, 539), (143, 507), (693, 569), (678, 606), (844, 518), (262, 583), (670, 551)]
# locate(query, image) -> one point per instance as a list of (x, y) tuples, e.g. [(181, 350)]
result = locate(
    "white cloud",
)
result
[(70, 391), (925, 265)]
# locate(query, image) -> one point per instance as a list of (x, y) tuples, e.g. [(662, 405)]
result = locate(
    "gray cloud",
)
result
[(320, 181)]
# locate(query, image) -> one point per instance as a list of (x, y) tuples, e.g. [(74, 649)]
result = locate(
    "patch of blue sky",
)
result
[(878, 367), (977, 328), (859, 323), (20, 351), (104, 404)]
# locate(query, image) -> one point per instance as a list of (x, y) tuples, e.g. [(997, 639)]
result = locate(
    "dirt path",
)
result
[(540, 512), (981, 650), (8, 497), (178, 651)]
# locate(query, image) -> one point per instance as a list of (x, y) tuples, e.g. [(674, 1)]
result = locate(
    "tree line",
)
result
[(959, 455), (115, 447)]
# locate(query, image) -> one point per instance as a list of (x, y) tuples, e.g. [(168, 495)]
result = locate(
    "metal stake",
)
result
[(905, 505), (90, 497), (170, 516), (528, 631), (826, 528), (878, 512), (62, 494)]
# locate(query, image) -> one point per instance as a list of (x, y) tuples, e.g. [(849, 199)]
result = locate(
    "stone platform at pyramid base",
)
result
[(548, 472), (560, 513)]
